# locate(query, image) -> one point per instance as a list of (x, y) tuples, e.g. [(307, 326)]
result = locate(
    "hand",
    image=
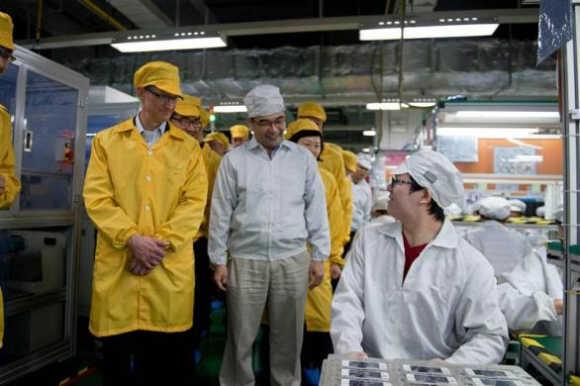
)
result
[(316, 273), (335, 271), (148, 251), (2, 185), (357, 356), (559, 306), (137, 268), (220, 276)]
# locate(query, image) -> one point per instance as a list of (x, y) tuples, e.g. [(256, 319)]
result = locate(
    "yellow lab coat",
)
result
[(211, 160), (319, 299), (159, 192), (12, 185), (331, 160)]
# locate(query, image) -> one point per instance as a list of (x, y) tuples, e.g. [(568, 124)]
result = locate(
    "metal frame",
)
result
[(38, 219), (571, 102)]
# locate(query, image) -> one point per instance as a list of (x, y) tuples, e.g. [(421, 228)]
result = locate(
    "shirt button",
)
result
[(148, 178), (147, 208)]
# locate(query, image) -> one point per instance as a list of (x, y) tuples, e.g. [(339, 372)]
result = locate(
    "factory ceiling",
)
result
[(310, 48)]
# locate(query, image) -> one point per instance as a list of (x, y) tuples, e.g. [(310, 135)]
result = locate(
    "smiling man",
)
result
[(145, 190), (267, 206), (414, 289)]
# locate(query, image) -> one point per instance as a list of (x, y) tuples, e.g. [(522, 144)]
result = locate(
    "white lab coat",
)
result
[(362, 202), (503, 247), (446, 308), (528, 293)]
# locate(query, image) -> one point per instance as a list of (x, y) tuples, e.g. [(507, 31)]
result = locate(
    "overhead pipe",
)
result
[(94, 8)]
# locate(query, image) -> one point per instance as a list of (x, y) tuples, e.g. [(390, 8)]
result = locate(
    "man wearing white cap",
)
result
[(517, 208), (362, 197), (268, 204), (503, 247), (414, 289)]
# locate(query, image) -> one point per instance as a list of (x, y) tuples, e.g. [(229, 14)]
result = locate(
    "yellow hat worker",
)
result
[(218, 142), (240, 134)]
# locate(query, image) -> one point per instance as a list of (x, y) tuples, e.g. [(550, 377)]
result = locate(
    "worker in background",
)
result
[(531, 295), (362, 197), (331, 159), (9, 184), (503, 247), (218, 142), (267, 206), (414, 289), (380, 212), (517, 208), (317, 344), (240, 134), (145, 190), (187, 116)]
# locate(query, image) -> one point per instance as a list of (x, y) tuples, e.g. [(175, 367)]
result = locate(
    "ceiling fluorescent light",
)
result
[(487, 132), (167, 42), (421, 104), (384, 106), (507, 114), (369, 133), (230, 109), (428, 32)]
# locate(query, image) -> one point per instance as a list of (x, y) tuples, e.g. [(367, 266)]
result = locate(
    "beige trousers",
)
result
[(253, 284)]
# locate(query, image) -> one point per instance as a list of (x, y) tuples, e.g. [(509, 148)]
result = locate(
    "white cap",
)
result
[(364, 161), (494, 207), (381, 202), (517, 206), (541, 211), (264, 100), (434, 172), (453, 210)]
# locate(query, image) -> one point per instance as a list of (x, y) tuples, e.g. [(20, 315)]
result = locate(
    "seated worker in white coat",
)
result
[(531, 295), (414, 289), (503, 247)]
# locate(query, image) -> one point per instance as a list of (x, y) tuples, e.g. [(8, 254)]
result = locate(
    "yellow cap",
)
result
[(163, 75), (240, 131), (6, 28), (185, 107), (204, 117), (350, 160), (217, 136), (311, 109), (196, 100), (300, 125)]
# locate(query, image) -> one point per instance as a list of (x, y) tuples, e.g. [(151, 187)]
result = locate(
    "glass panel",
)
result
[(32, 330), (47, 161)]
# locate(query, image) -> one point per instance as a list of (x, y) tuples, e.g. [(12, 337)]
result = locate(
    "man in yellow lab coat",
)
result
[(331, 159), (145, 190), (9, 184), (317, 344), (240, 134), (187, 116)]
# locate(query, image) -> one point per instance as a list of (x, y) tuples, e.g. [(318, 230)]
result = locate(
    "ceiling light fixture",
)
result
[(230, 109), (452, 28), (167, 41), (487, 132), (384, 106), (507, 114), (369, 133)]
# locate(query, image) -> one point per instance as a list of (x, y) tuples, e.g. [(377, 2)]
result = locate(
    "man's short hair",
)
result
[(434, 209)]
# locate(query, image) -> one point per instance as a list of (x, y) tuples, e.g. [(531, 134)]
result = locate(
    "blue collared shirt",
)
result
[(150, 136), (268, 207)]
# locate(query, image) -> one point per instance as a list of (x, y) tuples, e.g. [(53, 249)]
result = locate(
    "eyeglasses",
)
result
[(397, 180), (187, 121), (7, 54), (265, 123), (165, 98)]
